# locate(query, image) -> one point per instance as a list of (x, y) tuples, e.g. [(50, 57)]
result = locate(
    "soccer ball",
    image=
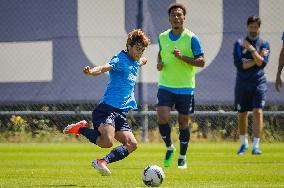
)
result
[(153, 176)]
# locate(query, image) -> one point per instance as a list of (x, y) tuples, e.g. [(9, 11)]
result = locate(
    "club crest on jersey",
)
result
[(262, 103), (115, 60), (132, 77), (239, 107)]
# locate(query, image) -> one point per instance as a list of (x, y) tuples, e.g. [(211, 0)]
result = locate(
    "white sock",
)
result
[(255, 142), (171, 147), (182, 156), (244, 139)]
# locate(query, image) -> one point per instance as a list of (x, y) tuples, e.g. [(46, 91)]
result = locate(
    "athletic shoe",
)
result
[(74, 128), (169, 157), (101, 166), (243, 149), (256, 151), (182, 163)]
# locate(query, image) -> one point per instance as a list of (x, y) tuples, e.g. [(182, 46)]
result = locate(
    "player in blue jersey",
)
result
[(278, 81), (250, 57), (109, 117), (179, 55)]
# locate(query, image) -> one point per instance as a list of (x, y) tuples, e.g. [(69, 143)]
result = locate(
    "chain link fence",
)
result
[(45, 44)]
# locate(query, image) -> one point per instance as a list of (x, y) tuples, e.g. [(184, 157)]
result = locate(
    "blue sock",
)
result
[(116, 154), (165, 131), (91, 134), (184, 136)]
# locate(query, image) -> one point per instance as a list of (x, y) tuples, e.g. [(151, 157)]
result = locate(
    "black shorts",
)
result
[(106, 114), (249, 97), (184, 103)]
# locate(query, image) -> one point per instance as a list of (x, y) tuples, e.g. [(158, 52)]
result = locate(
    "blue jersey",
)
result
[(254, 75), (122, 78), (197, 52), (283, 36)]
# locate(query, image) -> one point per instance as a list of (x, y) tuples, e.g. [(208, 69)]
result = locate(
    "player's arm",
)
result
[(260, 59), (143, 61), (160, 63), (96, 70), (248, 63), (278, 82), (281, 61), (198, 60), (159, 59), (239, 61)]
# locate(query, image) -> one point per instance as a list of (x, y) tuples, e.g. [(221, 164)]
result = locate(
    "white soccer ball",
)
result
[(153, 176)]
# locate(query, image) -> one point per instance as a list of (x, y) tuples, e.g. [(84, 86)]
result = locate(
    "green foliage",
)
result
[(20, 129)]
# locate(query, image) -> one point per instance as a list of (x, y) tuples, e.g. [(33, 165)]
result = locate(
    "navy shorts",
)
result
[(248, 97), (106, 114), (183, 103)]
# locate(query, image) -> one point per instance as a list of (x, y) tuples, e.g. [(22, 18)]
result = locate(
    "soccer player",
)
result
[(250, 57), (278, 81), (109, 117), (179, 55)]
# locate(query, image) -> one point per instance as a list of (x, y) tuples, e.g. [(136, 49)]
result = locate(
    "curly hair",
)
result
[(137, 37)]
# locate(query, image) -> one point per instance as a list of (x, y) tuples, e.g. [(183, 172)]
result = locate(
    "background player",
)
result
[(180, 53), (250, 57)]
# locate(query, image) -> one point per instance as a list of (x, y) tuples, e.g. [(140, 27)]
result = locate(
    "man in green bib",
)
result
[(180, 53)]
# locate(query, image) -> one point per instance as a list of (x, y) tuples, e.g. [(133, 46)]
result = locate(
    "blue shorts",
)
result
[(184, 103), (106, 114), (248, 97)]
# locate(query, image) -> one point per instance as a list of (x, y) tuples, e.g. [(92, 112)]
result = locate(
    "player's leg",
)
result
[(105, 140), (103, 122), (124, 135), (184, 106), (165, 102), (74, 127), (184, 137), (118, 153), (163, 113), (243, 126), (257, 129), (129, 145), (243, 103), (258, 105)]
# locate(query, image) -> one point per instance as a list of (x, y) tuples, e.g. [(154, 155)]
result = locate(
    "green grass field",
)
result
[(68, 165)]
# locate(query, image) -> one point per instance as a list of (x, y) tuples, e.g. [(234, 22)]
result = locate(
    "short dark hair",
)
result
[(253, 19), (176, 5)]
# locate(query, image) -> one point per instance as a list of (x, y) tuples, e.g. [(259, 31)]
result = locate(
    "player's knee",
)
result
[(163, 120), (132, 146), (107, 143), (258, 111)]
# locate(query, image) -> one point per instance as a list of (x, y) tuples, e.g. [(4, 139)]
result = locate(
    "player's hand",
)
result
[(93, 71), (264, 52), (160, 66), (248, 46), (177, 53), (278, 82), (143, 61), (86, 70)]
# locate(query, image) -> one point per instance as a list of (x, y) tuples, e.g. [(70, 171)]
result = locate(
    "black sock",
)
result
[(91, 134), (116, 154), (165, 131), (184, 136)]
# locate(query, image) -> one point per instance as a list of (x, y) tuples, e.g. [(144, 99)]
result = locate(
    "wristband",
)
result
[(253, 50)]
